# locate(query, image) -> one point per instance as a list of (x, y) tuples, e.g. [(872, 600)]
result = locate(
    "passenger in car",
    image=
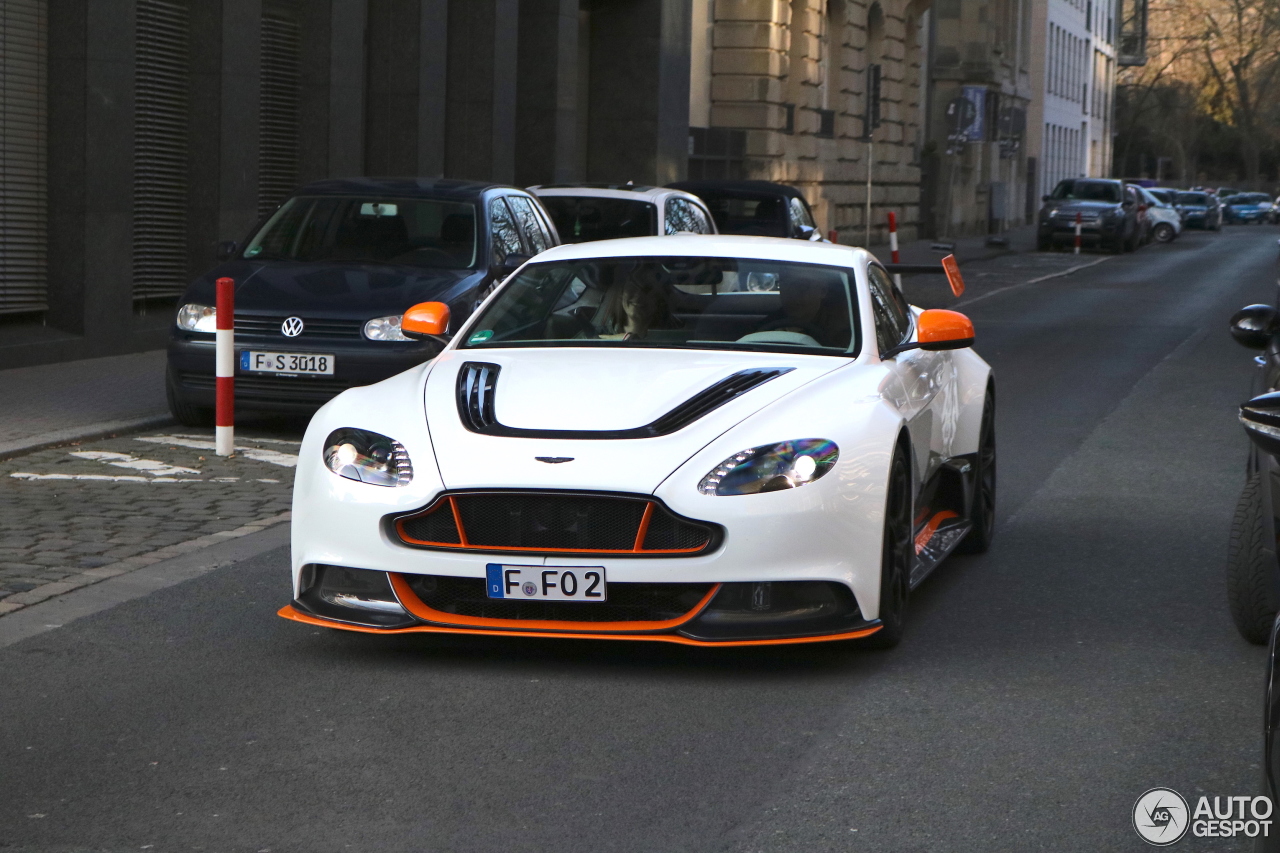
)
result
[(807, 309), (634, 307)]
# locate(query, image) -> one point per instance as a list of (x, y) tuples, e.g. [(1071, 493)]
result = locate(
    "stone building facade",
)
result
[(778, 92)]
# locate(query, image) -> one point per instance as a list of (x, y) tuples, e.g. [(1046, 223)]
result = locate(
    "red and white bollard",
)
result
[(893, 246), (1078, 225), (225, 369), (833, 236)]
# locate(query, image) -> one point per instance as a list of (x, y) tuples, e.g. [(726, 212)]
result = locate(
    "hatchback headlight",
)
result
[(772, 467), (385, 329), (367, 457), (194, 317)]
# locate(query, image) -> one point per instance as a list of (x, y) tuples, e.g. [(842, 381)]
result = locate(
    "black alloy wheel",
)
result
[(897, 552), (1253, 575), (983, 517)]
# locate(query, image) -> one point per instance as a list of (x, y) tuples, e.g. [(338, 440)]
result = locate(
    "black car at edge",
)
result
[(327, 276), (759, 208)]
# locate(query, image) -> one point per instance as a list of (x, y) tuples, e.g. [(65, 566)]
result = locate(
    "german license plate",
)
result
[(254, 361), (546, 583)]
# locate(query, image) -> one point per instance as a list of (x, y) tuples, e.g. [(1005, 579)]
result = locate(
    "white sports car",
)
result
[(705, 440)]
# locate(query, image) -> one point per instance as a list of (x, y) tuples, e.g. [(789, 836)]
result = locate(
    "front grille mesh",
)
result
[(269, 327), (555, 522), (626, 602), (300, 389)]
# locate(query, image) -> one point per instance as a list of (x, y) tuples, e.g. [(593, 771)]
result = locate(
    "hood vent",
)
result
[(478, 381)]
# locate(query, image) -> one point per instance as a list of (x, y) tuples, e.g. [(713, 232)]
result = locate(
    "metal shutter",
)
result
[(23, 158), (161, 111), (278, 119)]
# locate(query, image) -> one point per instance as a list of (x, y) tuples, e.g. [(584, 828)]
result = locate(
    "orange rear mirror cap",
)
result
[(425, 320)]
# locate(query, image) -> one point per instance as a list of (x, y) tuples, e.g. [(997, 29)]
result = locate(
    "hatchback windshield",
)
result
[(354, 229), (681, 302), (1193, 199), (580, 219), (1075, 190)]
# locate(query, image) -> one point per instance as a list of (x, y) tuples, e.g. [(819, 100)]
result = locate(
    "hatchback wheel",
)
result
[(1164, 232)]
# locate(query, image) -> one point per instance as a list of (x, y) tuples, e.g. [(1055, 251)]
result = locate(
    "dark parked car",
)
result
[(1200, 210), (760, 208), (1108, 211), (1247, 208), (321, 286)]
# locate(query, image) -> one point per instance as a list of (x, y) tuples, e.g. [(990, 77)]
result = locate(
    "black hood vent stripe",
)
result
[(478, 382)]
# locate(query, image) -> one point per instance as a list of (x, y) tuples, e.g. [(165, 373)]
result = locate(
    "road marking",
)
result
[(246, 438), (1065, 272), (258, 454), (106, 478), (125, 460)]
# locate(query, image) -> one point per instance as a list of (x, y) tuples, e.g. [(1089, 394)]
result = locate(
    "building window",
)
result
[(161, 114), (23, 158)]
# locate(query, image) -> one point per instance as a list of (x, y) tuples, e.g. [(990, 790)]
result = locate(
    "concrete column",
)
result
[(481, 99), (108, 173), (547, 90), (241, 65), (346, 88), (67, 145), (639, 100), (433, 66), (404, 125)]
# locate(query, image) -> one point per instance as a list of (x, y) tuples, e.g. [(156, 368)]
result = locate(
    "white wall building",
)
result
[(1074, 73)]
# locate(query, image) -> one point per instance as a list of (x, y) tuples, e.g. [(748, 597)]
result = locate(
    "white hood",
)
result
[(594, 389)]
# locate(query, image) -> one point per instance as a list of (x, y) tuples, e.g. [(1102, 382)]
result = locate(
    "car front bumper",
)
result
[(191, 361)]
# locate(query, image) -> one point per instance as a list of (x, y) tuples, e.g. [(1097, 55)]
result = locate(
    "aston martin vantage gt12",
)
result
[(708, 440)]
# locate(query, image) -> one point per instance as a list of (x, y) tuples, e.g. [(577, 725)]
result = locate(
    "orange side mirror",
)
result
[(425, 320), (939, 329)]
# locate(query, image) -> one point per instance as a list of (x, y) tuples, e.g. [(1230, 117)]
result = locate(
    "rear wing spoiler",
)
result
[(947, 266)]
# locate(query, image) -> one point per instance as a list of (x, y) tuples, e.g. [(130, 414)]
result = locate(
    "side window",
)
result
[(683, 216), (506, 239), (889, 308), (530, 225), (800, 217)]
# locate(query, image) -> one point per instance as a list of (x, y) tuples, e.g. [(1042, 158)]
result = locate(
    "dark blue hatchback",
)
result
[(322, 283)]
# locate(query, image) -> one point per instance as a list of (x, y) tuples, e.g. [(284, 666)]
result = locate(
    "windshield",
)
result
[(680, 302), (1074, 190), (1193, 198), (354, 229), (760, 216), (580, 219), (1165, 197)]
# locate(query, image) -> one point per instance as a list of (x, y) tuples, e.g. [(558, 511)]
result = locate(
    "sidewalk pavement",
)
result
[(966, 249), (57, 403)]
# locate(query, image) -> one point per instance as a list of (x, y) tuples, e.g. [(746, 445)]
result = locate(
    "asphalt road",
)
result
[(1040, 690)]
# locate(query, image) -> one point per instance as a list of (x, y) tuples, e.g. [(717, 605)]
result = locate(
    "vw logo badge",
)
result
[(292, 327)]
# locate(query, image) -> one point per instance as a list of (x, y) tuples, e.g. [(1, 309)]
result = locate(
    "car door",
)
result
[(504, 230), (920, 374)]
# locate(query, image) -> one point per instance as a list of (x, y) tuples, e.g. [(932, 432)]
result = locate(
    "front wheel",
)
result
[(182, 410), (1164, 232), (1252, 572), (896, 552), (983, 513)]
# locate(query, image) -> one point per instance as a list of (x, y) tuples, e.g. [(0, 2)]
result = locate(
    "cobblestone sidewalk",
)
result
[(74, 515)]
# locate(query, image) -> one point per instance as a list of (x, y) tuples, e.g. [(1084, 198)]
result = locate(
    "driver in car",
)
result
[(803, 295)]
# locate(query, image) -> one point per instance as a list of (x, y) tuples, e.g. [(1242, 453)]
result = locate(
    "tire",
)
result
[(983, 516), (1164, 233), (1252, 571), (184, 412), (896, 553), (1044, 244)]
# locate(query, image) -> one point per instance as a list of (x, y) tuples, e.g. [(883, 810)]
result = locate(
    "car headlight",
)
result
[(193, 317), (385, 329), (367, 457), (772, 467), (1050, 213)]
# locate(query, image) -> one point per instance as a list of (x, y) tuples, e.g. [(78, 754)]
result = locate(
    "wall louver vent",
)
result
[(161, 114), (278, 110), (23, 158)]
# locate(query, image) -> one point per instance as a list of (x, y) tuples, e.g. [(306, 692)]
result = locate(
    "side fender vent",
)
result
[(478, 382)]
